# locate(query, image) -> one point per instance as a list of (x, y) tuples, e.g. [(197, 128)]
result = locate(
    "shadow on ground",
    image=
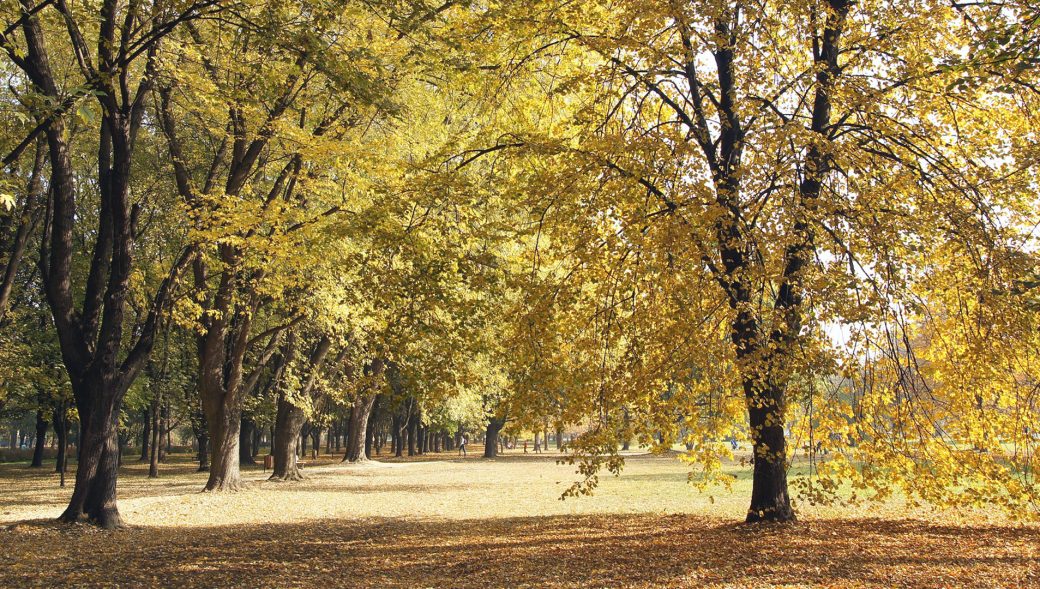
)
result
[(600, 551)]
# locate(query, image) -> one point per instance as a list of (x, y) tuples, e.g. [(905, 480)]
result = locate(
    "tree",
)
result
[(92, 335), (735, 180)]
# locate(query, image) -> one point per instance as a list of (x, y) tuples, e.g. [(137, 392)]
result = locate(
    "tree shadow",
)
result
[(565, 551)]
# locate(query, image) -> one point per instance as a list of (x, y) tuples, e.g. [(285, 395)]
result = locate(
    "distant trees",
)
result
[(673, 222)]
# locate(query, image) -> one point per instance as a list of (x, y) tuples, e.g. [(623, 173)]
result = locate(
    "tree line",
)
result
[(669, 222)]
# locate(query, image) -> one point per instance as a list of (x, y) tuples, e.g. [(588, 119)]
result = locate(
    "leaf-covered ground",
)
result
[(475, 523)]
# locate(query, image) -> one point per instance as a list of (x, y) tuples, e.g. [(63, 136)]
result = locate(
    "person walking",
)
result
[(462, 445)]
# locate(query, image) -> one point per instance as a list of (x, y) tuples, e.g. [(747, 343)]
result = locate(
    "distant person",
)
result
[(525, 446), (462, 445)]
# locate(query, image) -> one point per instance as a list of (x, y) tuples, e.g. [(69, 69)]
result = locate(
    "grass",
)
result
[(441, 520)]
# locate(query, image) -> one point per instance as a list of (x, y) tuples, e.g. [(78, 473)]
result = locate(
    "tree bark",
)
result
[(61, 431), (223, 420), (397, 433), (245, 442), (198, 428), (156, 442), (288, 423), (359, 415), (28, 220), (94, 496), (41, 439), (411, 426), (101, 360), (291, 418), (494, 427), (770, 500), (146, 433), (370, 433)]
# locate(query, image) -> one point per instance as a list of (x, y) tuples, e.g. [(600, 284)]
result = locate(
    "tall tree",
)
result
[(748, 175), (113, 47)]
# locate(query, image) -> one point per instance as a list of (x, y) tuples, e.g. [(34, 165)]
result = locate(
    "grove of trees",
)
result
[(808, 226)]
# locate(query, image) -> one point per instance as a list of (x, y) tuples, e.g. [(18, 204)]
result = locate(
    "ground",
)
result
[(447, 521)]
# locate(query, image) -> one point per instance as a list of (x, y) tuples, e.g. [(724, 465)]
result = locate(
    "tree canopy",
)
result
[(810, 227)]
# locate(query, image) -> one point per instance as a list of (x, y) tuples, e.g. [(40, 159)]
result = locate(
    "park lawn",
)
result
[(439, 520)]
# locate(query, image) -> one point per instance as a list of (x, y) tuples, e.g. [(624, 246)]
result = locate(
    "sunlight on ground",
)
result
[(443, 520), (437, 486)]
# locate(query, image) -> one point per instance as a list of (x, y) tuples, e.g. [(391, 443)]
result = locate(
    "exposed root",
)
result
[(226, 487), (289, 477)]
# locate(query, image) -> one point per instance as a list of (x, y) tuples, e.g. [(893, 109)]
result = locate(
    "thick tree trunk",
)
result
[(770, 500), (41, 439), (288, 424), (223, 419), (359, 415), (245, 442), (494, 426), (94, 497)]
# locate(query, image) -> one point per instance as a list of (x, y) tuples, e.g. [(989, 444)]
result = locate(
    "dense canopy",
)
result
[(809, 228)]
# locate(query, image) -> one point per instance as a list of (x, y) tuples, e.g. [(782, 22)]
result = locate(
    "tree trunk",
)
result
[(370, 432), (290, 420), (494, 426), (146, 434), (28, 220), (245, 442), (153, 463), (411, 427), (162, 426), (61, 431), (288, 423), (769, 496), (41, 439), (198, 428), (223, 420), (94, 496), (359, 436), (397, 433)]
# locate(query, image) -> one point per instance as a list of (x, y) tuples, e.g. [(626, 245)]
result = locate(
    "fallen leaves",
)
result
[(275, 536)]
